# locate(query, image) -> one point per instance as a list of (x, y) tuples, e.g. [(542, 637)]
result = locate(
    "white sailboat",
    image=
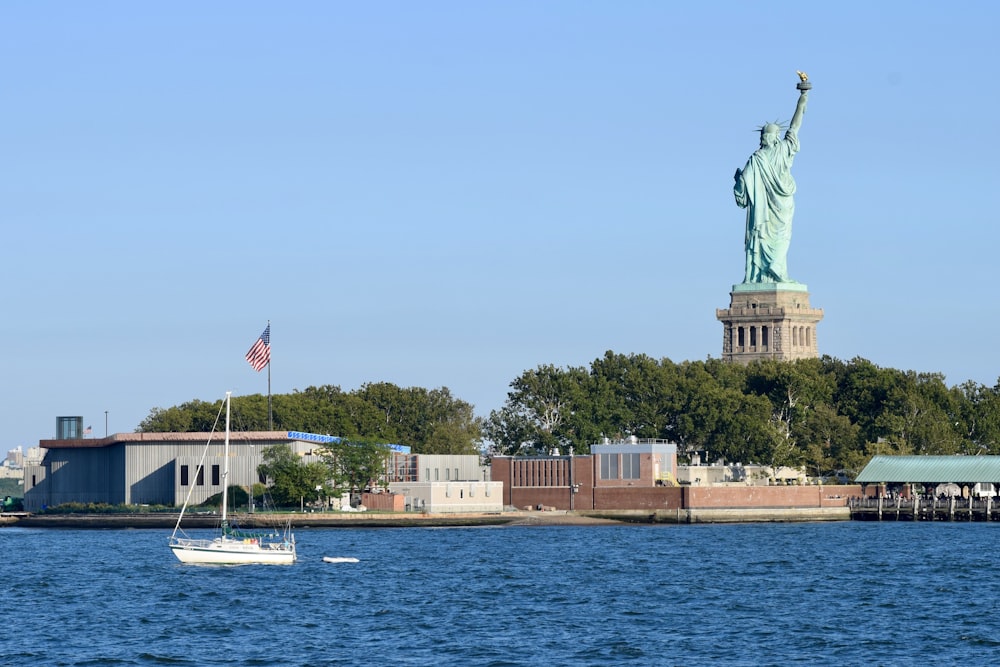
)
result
[(232, 546)]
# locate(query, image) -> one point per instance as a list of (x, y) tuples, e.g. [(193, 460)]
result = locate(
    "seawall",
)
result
[(428, 520)]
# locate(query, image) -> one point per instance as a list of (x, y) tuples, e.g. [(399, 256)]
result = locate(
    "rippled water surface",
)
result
[(770, 594)]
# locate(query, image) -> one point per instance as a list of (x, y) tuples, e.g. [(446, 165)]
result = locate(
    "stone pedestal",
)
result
[(769, 321)]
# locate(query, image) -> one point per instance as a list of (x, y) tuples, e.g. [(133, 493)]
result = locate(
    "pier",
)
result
[(922, 509)]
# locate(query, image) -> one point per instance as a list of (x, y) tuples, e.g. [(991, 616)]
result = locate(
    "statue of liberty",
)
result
[(765, 188)]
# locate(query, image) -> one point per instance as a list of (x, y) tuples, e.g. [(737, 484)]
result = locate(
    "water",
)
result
[(758, 594)]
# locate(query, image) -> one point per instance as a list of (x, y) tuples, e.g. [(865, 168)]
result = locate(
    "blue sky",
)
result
[(450, 193)]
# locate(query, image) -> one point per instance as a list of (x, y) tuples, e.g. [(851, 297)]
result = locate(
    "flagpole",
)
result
[(270, 417)]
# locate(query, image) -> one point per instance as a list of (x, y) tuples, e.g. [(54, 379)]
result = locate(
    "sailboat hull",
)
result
[(224, 551)]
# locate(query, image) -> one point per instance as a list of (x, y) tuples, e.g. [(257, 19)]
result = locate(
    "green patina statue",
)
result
[(765, 188)]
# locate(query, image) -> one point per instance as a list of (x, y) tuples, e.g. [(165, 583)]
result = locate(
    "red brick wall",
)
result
[(524, 479), (704, 497), (532, 496), (637, 498), (528, 473)]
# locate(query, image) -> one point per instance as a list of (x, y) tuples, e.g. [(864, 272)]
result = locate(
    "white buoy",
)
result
[(338, 559)]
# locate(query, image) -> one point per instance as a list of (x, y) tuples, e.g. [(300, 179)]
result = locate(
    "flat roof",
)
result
[(161, 437), (931, 469)]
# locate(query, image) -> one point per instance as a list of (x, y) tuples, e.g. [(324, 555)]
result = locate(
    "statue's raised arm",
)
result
[(800, 107)]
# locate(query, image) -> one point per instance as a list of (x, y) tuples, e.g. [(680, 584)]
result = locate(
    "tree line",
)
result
[(430, 421), (826, 414)]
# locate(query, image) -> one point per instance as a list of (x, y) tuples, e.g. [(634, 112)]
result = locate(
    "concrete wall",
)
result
[(449, 468), (467, 496)]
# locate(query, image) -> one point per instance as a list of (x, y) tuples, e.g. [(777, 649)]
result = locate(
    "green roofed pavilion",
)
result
[(930, 469)]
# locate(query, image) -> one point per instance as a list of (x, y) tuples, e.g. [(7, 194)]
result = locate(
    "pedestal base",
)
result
[(769, 321)]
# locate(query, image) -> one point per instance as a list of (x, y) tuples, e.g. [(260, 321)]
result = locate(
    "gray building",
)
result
[(146, 468)]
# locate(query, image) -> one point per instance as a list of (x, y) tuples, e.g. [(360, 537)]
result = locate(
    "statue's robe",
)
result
[(765, 189)]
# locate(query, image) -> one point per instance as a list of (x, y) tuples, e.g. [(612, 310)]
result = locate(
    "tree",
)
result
[(193, 416), (829, 439), (537, 416), (355, 465), (413, 416), (638, 395), (794, 389), (979, 417), (292, 481), (448, 437)]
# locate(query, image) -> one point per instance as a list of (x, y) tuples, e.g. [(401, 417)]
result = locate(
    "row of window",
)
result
[(619, 466), (186, 477), (200, 481), (801, 336), (216, 475)]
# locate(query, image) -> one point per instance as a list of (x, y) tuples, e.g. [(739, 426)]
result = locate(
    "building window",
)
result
[(447, 474), (436, 474), (184, 476), (215, 474), (609, 466), (201, 476), (630, 466)]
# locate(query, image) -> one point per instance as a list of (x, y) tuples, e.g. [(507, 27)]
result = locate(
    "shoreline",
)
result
[(439, 520)]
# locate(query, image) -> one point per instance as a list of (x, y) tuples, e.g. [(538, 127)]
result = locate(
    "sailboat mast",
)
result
[(225, 464)]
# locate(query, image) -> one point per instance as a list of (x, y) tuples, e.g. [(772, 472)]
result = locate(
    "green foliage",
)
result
[(13, 487), (105, 508), (292, 480), (829, 415), (194, 416), (237, 498), (354, 466), (430, 421)]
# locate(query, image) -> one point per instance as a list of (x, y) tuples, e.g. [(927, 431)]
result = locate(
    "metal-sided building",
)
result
[(163, 468), (145, 468)]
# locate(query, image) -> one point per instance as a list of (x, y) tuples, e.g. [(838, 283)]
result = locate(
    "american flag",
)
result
[(260, 354), (88, 431)]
